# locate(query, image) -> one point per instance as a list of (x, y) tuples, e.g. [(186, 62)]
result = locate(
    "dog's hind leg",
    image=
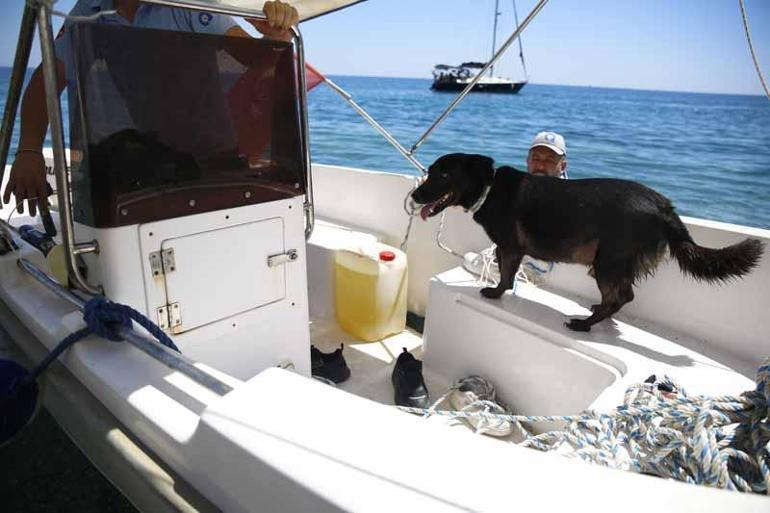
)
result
[(615, 283), (508, 261)]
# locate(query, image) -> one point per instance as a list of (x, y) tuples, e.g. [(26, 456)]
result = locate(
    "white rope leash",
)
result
[(488, 266), (411, 209), (721, 441)]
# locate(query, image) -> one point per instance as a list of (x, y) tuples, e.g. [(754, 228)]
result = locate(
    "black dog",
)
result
[(617, 227)]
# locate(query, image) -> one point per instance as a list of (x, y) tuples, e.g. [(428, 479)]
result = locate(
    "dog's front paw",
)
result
[(492, 292), (578, 325)]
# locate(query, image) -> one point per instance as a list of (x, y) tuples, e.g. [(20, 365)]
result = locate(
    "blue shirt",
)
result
[(146, 16), (213, 133)]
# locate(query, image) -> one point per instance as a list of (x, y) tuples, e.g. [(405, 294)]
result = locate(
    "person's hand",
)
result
[(27, 182), (280, 18)]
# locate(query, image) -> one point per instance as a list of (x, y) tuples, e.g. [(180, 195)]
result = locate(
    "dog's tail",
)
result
[(710, 264)]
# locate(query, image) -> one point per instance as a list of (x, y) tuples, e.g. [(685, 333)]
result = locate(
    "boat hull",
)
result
[(278, 440), (503, 88)]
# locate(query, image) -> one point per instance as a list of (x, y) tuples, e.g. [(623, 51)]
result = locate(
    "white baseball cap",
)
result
[(550, 140)]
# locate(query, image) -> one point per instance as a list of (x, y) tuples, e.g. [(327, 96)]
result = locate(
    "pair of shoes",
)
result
[(476, 394), (408, 383), (329, 366)]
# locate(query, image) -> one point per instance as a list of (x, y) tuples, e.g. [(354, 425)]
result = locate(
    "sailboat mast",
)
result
[(521, 48), (494, 36)]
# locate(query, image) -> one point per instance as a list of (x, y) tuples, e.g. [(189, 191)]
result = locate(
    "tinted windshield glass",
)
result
[(166, 124)]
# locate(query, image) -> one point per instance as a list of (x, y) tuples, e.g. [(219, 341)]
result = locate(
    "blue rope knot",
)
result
[(103, 318), (18, 388)]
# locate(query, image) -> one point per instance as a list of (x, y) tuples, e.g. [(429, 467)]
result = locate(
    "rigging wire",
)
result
[(751, 48), (521, 48)]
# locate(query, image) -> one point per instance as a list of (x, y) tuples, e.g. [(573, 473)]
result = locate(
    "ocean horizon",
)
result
[(587, 86), (7, 67), (708, 152)]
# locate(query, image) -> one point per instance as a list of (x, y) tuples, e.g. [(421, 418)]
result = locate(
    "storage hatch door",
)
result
[(219, 273)]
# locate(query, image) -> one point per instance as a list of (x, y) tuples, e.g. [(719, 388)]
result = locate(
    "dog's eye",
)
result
[(444, 176)]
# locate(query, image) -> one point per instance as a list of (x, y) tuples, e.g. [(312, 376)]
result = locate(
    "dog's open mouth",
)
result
[(434, 207)]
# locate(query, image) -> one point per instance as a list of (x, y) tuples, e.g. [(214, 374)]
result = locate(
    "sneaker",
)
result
[(483, 265), (331, 366), (408, 383), (476, 394)]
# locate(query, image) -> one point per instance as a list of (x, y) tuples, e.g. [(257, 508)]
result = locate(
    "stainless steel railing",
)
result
[(166, 356), (66, 223), (20, 62)]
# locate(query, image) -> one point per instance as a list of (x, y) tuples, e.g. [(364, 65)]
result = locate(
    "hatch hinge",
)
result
[(162, 262), (170, 317)]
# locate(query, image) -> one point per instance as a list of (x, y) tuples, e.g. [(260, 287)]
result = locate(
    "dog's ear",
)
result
[(482, 166)]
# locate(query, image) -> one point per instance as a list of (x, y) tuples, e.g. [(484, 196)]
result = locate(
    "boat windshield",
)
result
[(166, 124)]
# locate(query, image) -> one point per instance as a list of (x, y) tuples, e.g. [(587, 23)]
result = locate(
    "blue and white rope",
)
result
[(721, 441)]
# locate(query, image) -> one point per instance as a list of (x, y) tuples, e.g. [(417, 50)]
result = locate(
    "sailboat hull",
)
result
[(504, 88)]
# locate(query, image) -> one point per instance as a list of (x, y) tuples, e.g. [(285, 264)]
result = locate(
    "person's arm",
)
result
[(27, 180), (279, 16)]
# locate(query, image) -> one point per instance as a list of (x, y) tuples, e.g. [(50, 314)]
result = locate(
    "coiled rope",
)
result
[(721, 441)]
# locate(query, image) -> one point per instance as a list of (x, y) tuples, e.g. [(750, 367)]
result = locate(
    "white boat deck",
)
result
[(304, 445), (371, 363), (540, 367), (520, 345)]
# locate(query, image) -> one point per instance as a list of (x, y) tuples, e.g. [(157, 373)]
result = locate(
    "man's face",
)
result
[(545, 161)]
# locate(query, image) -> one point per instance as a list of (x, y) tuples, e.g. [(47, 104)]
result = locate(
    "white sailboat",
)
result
[(239, 269), (456, 78)]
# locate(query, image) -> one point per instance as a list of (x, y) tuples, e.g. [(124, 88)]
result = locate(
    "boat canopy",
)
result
[(469, 65), (307, 9), (477, 65)]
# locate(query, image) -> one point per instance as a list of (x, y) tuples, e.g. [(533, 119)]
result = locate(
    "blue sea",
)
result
[(709, 153)]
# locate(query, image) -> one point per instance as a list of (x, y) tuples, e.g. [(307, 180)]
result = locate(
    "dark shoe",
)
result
[(331, 366), (408, 383)]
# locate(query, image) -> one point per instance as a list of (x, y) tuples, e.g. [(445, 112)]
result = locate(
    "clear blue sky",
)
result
[(683, 45)]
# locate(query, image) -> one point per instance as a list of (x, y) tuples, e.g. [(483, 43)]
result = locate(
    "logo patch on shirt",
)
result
[(205, 18)]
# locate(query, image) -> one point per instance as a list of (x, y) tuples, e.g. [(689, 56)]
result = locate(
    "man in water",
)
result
[(28, 180), (548, 155)]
